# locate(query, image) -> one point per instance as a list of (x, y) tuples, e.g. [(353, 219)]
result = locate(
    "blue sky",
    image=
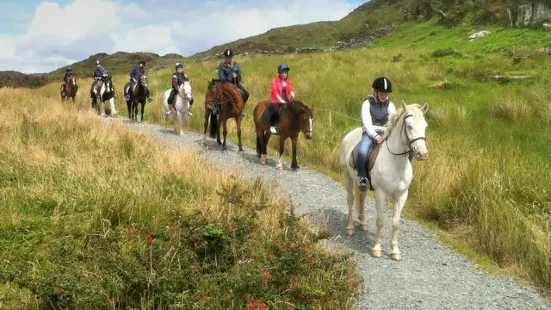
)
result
[(31, 30)]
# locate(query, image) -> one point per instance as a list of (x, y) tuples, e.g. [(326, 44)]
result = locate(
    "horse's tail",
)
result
[(213, 125)]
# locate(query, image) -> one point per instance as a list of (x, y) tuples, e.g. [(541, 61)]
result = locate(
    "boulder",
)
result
[(478, 35)]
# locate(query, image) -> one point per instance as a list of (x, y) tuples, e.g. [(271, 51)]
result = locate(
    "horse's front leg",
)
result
[(294, 164), (219, 122), (399, 202), (225, 133), (206, 125), (238, 124), (281, 149), (142, 111), (180, 123), (380, 201)]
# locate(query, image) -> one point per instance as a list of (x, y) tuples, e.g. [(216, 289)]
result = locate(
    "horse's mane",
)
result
[(296, 106), (395, 118)]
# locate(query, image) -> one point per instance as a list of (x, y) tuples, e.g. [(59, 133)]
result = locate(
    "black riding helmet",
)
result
[(69, 69), (228, 53), (283, 67), (141, 62), (382, 84), (178, 65)]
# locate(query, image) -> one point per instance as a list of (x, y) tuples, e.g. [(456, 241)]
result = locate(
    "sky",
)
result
[(39, 36)]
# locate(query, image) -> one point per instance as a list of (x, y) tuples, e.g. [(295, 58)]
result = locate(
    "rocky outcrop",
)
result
[(537, 12), (286, 50), (478, 35), (364, 39)]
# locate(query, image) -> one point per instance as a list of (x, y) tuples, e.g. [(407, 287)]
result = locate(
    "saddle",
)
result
[(371, 157)]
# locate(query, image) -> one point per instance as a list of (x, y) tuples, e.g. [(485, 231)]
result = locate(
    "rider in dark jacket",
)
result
[(66, 78), (229, 71), (137, 71), (178, 78)]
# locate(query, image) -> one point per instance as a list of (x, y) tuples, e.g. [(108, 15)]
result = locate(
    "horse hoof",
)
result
[(279, 166), (377, 253), (181, 134), (363, 227), (263, 161), (396, 256), (241, 150), (350, 231), (296, 167)]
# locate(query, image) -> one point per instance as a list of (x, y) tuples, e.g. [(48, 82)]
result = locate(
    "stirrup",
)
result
[(274, 130)]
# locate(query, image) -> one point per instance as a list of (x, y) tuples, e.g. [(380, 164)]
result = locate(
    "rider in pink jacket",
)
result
[(283, 92)]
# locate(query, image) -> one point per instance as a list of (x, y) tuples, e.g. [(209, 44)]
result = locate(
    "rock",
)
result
[(546, 26), (533, 13), (478, 35), (546, 50), (363, 38)]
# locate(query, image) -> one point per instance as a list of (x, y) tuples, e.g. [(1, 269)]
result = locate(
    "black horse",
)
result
[(134, 94)]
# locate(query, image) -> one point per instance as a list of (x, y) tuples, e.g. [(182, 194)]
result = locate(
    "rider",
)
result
[(283, 92), (66, 78), (100, 73), (137, 71), (229, 71), (376, 111), (135, 75), (178, 78)]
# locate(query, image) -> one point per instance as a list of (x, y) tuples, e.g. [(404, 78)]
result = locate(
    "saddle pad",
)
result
[(371, 157)]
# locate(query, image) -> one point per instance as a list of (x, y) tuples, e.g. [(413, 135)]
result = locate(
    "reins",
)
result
[(408, 140)]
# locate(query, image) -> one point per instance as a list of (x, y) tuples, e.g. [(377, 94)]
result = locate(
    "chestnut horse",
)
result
[(70, 88), (223, 101), (295, 117)]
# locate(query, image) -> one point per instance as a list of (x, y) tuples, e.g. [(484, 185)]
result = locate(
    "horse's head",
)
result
[(73, 79), (108, 84), (306, 119), (185, 90), (143, 80), (413, 127), (212, 95)]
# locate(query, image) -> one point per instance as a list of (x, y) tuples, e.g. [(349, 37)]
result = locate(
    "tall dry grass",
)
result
[(98, 217)]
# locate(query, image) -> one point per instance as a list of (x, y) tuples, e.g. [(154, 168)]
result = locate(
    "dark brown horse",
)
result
[(295, 117), (135, 94), (70, 89), (223, 101)]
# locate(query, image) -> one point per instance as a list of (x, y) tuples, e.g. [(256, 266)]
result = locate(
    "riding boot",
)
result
[(361, 161), (274, 119), (172, 96), (149, 96), (190, 104)]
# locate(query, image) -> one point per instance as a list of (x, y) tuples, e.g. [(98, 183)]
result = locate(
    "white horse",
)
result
[(391, 174), (180, 108), (104, 93)]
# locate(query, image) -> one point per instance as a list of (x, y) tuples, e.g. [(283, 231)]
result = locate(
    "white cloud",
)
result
[(86, 27)]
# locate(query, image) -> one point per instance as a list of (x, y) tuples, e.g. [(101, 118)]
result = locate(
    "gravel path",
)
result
[(431, 276)]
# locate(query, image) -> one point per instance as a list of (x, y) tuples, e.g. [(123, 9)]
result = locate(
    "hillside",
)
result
[(365, 22), (117, 63), (18, 79)]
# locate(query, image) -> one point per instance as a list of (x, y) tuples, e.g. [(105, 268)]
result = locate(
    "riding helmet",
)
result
[(142, 62), (283, 67), (178, 65), (97, 62), (382, 84), (69, 69), (228, 53)]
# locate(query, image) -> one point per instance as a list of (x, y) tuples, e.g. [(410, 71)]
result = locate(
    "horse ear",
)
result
[(404, 106), (425, 107)]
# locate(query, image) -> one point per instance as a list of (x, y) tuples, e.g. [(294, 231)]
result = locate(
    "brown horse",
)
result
[(295, 117), (223, 101), (70, 89)]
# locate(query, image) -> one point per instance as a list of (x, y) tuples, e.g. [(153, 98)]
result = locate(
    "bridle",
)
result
[(408, 139), (185, 94)]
